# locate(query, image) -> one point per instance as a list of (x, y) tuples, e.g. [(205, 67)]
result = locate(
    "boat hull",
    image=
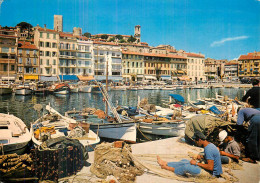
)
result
[(4, 91), (165, 129), (117, 131), (23, 91), (18, 148), (86, 89)]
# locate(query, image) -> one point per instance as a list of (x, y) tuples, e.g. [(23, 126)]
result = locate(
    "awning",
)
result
[(166, 77), (241, 72), (180, 72), (86, 78), (48, 78), (114, 78), (68, 78), (150, 77), (30, 76), (140, 76), (184, 78), (5, 78)]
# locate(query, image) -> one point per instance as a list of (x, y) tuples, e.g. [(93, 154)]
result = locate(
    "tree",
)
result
[(25, 25), (119, 37), (112, 39), (87, 34), (122, 41), (131, 39), (104, 36)]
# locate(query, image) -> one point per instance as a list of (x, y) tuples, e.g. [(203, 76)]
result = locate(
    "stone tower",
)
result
[(138, 33), (58, 23), (77, 31)]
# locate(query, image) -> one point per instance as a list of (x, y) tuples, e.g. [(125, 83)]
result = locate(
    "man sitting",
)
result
[(231, 148), (212, 156)]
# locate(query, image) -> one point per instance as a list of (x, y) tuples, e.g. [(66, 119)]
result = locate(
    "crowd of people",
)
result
[(228, 151)]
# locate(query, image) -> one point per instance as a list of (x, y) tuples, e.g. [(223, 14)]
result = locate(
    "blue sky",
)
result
[(220, 29)]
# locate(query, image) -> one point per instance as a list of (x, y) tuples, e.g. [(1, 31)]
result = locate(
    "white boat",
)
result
[(23, 91), (164, 128), (74, 88), (5, 89), (61, 126), (125, 131), (14, 134), (85, 88)]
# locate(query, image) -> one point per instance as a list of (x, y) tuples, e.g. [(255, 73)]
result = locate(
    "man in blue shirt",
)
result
[(212, 156)]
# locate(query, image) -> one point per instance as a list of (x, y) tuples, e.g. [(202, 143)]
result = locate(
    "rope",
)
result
[(142, 133)]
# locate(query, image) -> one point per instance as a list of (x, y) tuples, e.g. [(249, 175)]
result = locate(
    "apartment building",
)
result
[(214, 69), (195, 66), (28, 61), (67, 54), (47, 41), (248, 65), (231, 70), (85, 59), (107, 60), (8, 51)]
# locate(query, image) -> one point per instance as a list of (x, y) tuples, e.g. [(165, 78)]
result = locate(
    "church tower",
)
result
[(58, 23), (138, 33)]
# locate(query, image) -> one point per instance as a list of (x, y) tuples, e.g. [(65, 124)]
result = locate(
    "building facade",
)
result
[(8, 52), (231, 70), (195, 66), (28, 61), (248, 65)]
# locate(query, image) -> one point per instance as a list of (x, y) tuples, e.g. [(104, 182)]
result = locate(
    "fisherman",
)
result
[(230, 146), (252, 142), (253, 95), (212, 156)]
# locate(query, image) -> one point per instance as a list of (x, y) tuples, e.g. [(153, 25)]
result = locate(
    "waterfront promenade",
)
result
[(166, 148)]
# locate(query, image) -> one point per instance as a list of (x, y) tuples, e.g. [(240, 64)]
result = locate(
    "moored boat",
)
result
[(5, 89), (62, 89), (14, 134)]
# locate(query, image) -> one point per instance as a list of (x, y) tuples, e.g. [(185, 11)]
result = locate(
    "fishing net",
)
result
[(111, 159)]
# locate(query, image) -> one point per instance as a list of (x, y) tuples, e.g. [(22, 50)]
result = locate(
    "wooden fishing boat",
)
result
[(126, 130), (62, 89), (5, 89), (173, 128), (53, 125), (23, 90), (14, 134)]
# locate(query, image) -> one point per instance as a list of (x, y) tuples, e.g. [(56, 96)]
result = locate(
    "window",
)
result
[(41, 53), (54, 45), (41, 44), (19, 51), (34, 61), (41, 70), (12, 67), (47, 44), (79, 63), (47, 71), (73, 46), (20, 61), (27, 51), (54, 71), (40, 61), (5, 49), (5, 67), (34, 52), (54, 62), (47, 53), (12, 50), (54, 36), (48, 35), (19, 69), (47, 62), (41, 37), (53, 54), (73, 70)]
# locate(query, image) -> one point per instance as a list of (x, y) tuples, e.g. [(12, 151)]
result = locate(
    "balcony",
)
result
[(28, 64)]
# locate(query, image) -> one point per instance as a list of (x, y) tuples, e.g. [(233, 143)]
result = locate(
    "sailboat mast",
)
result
[(107, 84)]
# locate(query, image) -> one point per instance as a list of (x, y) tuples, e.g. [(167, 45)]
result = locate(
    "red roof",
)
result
[(153, 55), (27, 45), (249, 57), (47, 30), (62, 34), (194, 55)]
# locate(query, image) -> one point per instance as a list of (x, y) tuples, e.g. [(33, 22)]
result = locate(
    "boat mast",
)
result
[(107, 84)]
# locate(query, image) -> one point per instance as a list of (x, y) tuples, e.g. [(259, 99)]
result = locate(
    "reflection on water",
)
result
[(22, 106)]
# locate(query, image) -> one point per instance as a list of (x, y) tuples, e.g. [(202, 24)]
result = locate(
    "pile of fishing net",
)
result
[(15, 166), (58, 158), (115, 159), (146, 106)]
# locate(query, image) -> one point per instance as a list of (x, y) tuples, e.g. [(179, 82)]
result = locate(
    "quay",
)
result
[(169, 149)]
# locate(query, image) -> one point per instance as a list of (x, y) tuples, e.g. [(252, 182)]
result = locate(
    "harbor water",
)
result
[(22, 106)]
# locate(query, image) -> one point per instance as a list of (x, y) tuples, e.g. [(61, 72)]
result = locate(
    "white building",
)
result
[(47, 41), (195, 66)]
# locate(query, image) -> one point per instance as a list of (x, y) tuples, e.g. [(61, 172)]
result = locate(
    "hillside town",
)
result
[(43, 54)]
